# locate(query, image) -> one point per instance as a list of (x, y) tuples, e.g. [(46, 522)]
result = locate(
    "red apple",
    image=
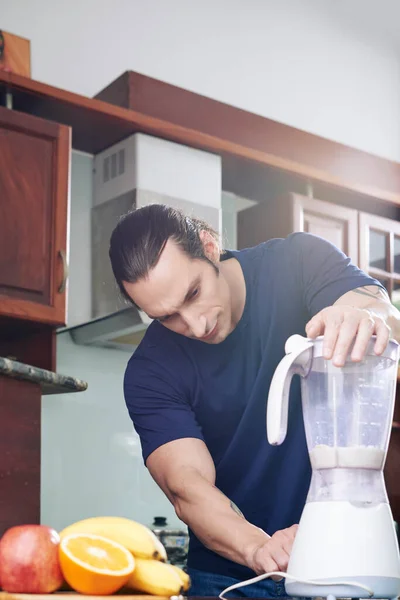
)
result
[(29, 561)]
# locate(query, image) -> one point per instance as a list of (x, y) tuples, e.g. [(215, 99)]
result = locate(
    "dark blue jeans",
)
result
[(212, 584)]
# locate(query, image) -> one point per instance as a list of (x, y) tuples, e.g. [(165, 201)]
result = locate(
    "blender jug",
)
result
[(346, 531)]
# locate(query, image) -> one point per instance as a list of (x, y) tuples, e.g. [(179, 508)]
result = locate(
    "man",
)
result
[(196, 387)]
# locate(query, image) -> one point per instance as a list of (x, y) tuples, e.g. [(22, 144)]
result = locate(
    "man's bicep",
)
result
[(171, 463), (159, 409), (364, 296)]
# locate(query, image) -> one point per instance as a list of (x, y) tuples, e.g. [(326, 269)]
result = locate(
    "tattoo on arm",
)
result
[(376, 294), (235, 508)]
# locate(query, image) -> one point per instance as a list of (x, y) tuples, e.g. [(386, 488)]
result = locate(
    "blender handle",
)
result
[(298, 361)]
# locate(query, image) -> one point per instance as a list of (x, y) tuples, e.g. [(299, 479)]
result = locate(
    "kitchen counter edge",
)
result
[(50, 382)]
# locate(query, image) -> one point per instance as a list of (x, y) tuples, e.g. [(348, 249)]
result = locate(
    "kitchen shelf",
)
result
[(96, 125)]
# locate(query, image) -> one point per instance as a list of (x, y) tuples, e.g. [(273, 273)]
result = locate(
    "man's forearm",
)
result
[(216, 520)]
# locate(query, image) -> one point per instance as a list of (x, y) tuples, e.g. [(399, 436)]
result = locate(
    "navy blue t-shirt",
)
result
[(176, 387)]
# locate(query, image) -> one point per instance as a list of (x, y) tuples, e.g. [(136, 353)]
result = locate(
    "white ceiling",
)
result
[(375, 18)]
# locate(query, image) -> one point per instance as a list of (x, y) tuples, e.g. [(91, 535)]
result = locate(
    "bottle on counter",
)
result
[(175, 540)]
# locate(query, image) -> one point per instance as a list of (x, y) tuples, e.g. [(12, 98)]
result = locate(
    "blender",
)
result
[(346, 543)]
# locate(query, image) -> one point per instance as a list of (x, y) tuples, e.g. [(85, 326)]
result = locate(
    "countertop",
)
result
[(51, 383), (76, 596)]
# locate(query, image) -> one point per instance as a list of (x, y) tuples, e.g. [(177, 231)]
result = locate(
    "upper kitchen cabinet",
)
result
[(380, 251), (337, 224), (34, 189), (296, 212)]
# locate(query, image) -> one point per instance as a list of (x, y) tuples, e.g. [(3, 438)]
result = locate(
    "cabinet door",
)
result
[(337, 224), (380, 252), (34, 190), (280, 216)]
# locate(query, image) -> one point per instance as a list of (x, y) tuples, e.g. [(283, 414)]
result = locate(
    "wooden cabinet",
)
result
[(380, 251), (371, 241), (337, 224), (34, 188), (295, 212), (20, 413)]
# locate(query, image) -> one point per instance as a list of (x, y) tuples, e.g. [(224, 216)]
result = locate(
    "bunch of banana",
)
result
[(157, 578), (184, 577), (137, 538), (152, 574)]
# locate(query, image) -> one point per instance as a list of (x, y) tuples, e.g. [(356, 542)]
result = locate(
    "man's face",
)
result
[(186, 295)]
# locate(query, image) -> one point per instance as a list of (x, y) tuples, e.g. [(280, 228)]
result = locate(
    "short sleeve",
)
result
[(158, 408), (326, 273)]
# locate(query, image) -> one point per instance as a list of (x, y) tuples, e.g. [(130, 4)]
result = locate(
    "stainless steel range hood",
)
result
[(122, 330), (138, 171)]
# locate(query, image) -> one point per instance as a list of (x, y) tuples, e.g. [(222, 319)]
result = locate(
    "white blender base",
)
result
[(383, 587), (340, 542)]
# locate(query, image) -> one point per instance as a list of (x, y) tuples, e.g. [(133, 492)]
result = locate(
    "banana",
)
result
[(185, 578), (137, 538), (154, 577), (160, 549)]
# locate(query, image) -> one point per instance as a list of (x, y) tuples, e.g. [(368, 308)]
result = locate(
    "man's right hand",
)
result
[(274, 554)]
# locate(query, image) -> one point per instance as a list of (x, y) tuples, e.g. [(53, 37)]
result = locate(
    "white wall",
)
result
[(91, 456), (313, 64), (79, 284)]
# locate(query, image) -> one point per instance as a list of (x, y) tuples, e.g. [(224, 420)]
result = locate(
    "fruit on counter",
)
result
[(161, 553), (185, 578), (29, 560), (154, 577), (92, 564), (137, 538)]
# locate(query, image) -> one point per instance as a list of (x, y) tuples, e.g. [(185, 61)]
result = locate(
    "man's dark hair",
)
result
[(140, 237)]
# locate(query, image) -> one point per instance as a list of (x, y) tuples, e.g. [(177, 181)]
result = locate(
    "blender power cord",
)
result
[(287, 576)]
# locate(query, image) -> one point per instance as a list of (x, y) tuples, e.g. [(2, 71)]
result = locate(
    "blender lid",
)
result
[(391, 350)]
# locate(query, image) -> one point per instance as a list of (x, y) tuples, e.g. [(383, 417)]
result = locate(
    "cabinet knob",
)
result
[(63, 283)]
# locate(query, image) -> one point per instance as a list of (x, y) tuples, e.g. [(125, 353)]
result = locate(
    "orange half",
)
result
[(93, 564)]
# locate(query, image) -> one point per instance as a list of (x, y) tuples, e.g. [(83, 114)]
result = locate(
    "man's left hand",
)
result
[(342, 325)]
